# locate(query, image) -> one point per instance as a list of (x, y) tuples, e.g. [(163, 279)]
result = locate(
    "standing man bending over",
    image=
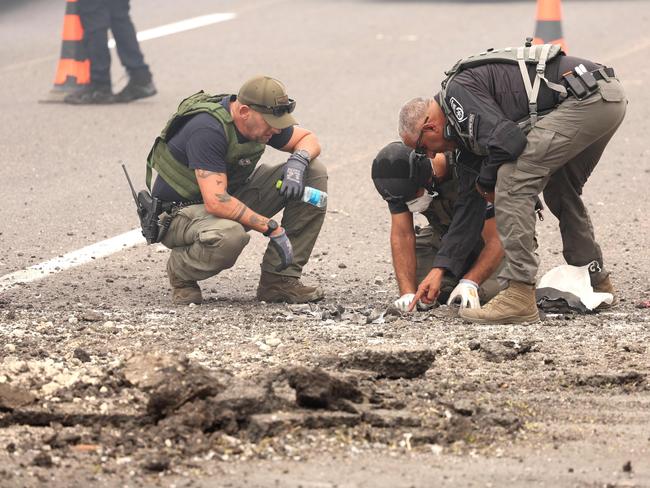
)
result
[(525, 120), (206, 159)]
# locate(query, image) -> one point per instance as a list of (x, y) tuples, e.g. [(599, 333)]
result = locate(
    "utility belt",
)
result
[(166, 211), (155, 215), (581, 83)]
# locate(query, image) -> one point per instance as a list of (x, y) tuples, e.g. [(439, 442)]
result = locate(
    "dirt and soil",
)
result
[(241, 393)]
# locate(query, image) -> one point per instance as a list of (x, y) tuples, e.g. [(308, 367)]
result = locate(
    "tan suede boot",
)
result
[(278, 288), (514, 305), (606, 286), (184, 292)]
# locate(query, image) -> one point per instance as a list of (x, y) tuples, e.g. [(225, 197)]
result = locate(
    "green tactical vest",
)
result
[(240, 158), (538, 55)]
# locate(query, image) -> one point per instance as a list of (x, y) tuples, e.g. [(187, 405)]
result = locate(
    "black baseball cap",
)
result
[(393, 176)]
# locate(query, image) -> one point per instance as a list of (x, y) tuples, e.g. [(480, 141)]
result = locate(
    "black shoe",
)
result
[(134, 90), (91, 95)]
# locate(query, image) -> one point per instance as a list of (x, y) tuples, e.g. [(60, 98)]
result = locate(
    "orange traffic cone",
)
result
[(548, 29), (73, 71)]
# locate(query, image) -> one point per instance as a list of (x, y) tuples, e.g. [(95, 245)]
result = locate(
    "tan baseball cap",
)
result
[(268, 97)]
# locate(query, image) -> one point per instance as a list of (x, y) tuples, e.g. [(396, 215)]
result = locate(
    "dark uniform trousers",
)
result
[(562, 151), (428, 241), (97, 16), (203, 245)]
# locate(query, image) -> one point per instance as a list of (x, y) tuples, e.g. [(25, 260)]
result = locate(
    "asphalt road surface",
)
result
[(350, 65)]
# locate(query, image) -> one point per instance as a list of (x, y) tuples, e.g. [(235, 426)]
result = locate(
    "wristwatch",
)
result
[(272, 225), (304, 153)]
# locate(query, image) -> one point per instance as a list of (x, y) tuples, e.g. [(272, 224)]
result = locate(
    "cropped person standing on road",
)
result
[(524, 120), (439, 257), (206, 158), (97, 16)]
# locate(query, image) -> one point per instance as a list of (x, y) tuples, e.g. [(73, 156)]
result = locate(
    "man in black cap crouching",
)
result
[(440, 258)]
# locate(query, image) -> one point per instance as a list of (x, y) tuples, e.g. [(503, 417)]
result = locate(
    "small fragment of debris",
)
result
[(81, 355), (603, 380), (474, 345), (499, 351), (463, 407), (92, 316), (43, 459), (643, 304), (156, 464), (85, 447), (627, 467), (342, 266)]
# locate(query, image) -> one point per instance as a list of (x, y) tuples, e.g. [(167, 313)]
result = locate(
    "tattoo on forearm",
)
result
[(239, 211), (223, 197), (255, 220)]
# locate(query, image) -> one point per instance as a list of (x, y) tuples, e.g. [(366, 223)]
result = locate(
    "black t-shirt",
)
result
[(201, 143)]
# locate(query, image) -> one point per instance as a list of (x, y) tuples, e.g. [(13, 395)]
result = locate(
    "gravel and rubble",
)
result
[(133, 393)]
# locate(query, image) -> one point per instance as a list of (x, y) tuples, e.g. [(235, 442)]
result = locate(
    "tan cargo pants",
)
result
[(562, 151), (203, 245)]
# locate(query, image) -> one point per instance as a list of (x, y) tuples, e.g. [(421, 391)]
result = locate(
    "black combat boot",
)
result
[(93, 94), (140, 85)]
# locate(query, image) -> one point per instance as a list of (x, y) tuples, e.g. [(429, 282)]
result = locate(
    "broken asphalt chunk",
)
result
[(12, 397), (390, 364), (499, 351), (315, 388)]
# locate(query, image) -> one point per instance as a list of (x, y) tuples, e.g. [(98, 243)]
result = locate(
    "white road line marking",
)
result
[(163, 30), (181, 26), (72, 259)]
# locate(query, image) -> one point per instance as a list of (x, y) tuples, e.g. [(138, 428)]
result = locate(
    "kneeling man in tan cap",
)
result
[(214, 192)]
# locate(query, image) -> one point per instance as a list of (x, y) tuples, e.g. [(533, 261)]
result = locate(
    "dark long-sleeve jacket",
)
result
[(488, 101)]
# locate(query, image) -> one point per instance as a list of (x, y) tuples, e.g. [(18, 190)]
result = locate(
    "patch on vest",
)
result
[(457, 108), (244, 162)]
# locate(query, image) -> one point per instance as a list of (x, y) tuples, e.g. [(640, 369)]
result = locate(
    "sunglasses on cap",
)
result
[(277, 111)]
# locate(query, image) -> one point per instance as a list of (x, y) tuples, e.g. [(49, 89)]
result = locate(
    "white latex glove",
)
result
[(403, 302), (465, 294)]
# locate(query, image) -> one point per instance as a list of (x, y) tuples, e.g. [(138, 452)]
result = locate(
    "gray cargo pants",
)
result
[(427, 245), (562, 151), (203, 245)]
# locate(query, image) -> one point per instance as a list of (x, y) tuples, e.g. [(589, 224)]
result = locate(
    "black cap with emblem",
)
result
[(397, 176)]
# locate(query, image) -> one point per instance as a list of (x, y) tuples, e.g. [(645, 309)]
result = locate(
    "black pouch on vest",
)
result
[(575, 86), (580, 83)]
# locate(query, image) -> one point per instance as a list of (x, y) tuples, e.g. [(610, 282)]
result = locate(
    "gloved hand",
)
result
[(403, 302), (293, 176), (282, 245), (465, 294)]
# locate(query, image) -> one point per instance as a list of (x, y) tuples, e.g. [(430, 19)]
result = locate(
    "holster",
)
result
[(149, 208)]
